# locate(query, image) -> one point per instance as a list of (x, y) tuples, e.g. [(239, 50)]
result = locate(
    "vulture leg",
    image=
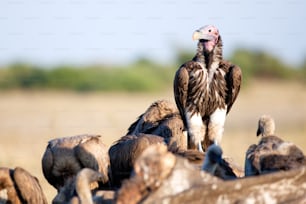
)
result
[(216, 126), (196, 131)]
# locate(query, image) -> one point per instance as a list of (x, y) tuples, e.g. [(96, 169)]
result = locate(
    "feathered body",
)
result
[(205, 89), (65, 157), (19, 186), (271, 153), (124, 153), (162, 118)]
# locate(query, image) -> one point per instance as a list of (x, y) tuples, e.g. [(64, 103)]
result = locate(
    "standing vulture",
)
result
[(272, 153), (205, 89)]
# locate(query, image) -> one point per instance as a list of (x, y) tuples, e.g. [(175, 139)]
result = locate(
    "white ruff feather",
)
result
[(214, 66)]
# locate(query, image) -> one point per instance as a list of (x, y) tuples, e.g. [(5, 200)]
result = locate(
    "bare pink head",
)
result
[(209, 35)]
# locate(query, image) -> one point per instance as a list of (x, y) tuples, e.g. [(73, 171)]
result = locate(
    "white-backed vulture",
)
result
[(205, 89), (124, 153), (272, 153), (19, 186), (65, 157), (84, 189), (163, 119)]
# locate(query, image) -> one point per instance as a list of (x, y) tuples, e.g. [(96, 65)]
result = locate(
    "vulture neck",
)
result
[(206, 59)]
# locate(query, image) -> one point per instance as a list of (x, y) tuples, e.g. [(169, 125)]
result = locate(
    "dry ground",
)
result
[(28, 120)]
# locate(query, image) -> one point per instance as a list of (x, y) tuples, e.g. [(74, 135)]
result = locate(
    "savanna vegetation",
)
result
[(140, 76)]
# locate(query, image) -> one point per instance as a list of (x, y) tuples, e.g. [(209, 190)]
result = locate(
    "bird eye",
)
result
[(209, 30)]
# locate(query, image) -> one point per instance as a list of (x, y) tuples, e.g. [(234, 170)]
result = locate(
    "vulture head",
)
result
[(208, 36), (266, 126), (213, 158)]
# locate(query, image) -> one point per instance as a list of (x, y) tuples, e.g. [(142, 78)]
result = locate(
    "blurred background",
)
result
[(70, 67)]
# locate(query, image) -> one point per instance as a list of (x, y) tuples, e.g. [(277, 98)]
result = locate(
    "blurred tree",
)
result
[(260, 64), (141, 75)]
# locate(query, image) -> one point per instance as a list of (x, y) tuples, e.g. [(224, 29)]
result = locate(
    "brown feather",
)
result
[(180, 90), (20, 186), (65, 157), (29, 187), (272, 154), (157, 112), (233, 81), (124, 153), (163, 119), (7, 187)]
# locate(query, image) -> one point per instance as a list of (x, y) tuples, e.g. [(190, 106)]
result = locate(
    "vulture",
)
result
[(212, 162), (65, 157), (124, 153), (159, 173), (162, 118), (19, 186), (272, 153), (216, 165), (161, 177), (205, 89), (84, 189)]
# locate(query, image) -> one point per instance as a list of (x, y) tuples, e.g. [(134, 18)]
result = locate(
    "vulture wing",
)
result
[(8, 192), (180, 86), (249, 168), (233, 81), (93, 154), (47, 166), (29, 187)]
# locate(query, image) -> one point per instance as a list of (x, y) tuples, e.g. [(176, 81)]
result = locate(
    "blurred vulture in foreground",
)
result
[(84, 189), (161, 177), (163, 119), (65, 157), (159, 173), (279, 187), (217, 166), (19, 186), (272, 153), (205, 89), (124, 153)]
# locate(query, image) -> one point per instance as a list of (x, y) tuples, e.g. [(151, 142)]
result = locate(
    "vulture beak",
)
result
[(208, 32), (259, 131), (198, 35)]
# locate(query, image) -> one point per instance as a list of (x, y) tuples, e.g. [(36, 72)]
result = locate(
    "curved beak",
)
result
[(259, 131), (198, 35)]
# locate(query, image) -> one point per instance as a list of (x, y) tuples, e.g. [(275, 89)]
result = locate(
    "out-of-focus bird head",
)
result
[(266, 126), (213, 159), (208, 35), (214, 153)]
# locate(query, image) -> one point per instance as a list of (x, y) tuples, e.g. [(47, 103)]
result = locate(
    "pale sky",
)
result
[(109, 31)]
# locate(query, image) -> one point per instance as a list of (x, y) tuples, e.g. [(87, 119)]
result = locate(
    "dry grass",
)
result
[(28, 120)]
